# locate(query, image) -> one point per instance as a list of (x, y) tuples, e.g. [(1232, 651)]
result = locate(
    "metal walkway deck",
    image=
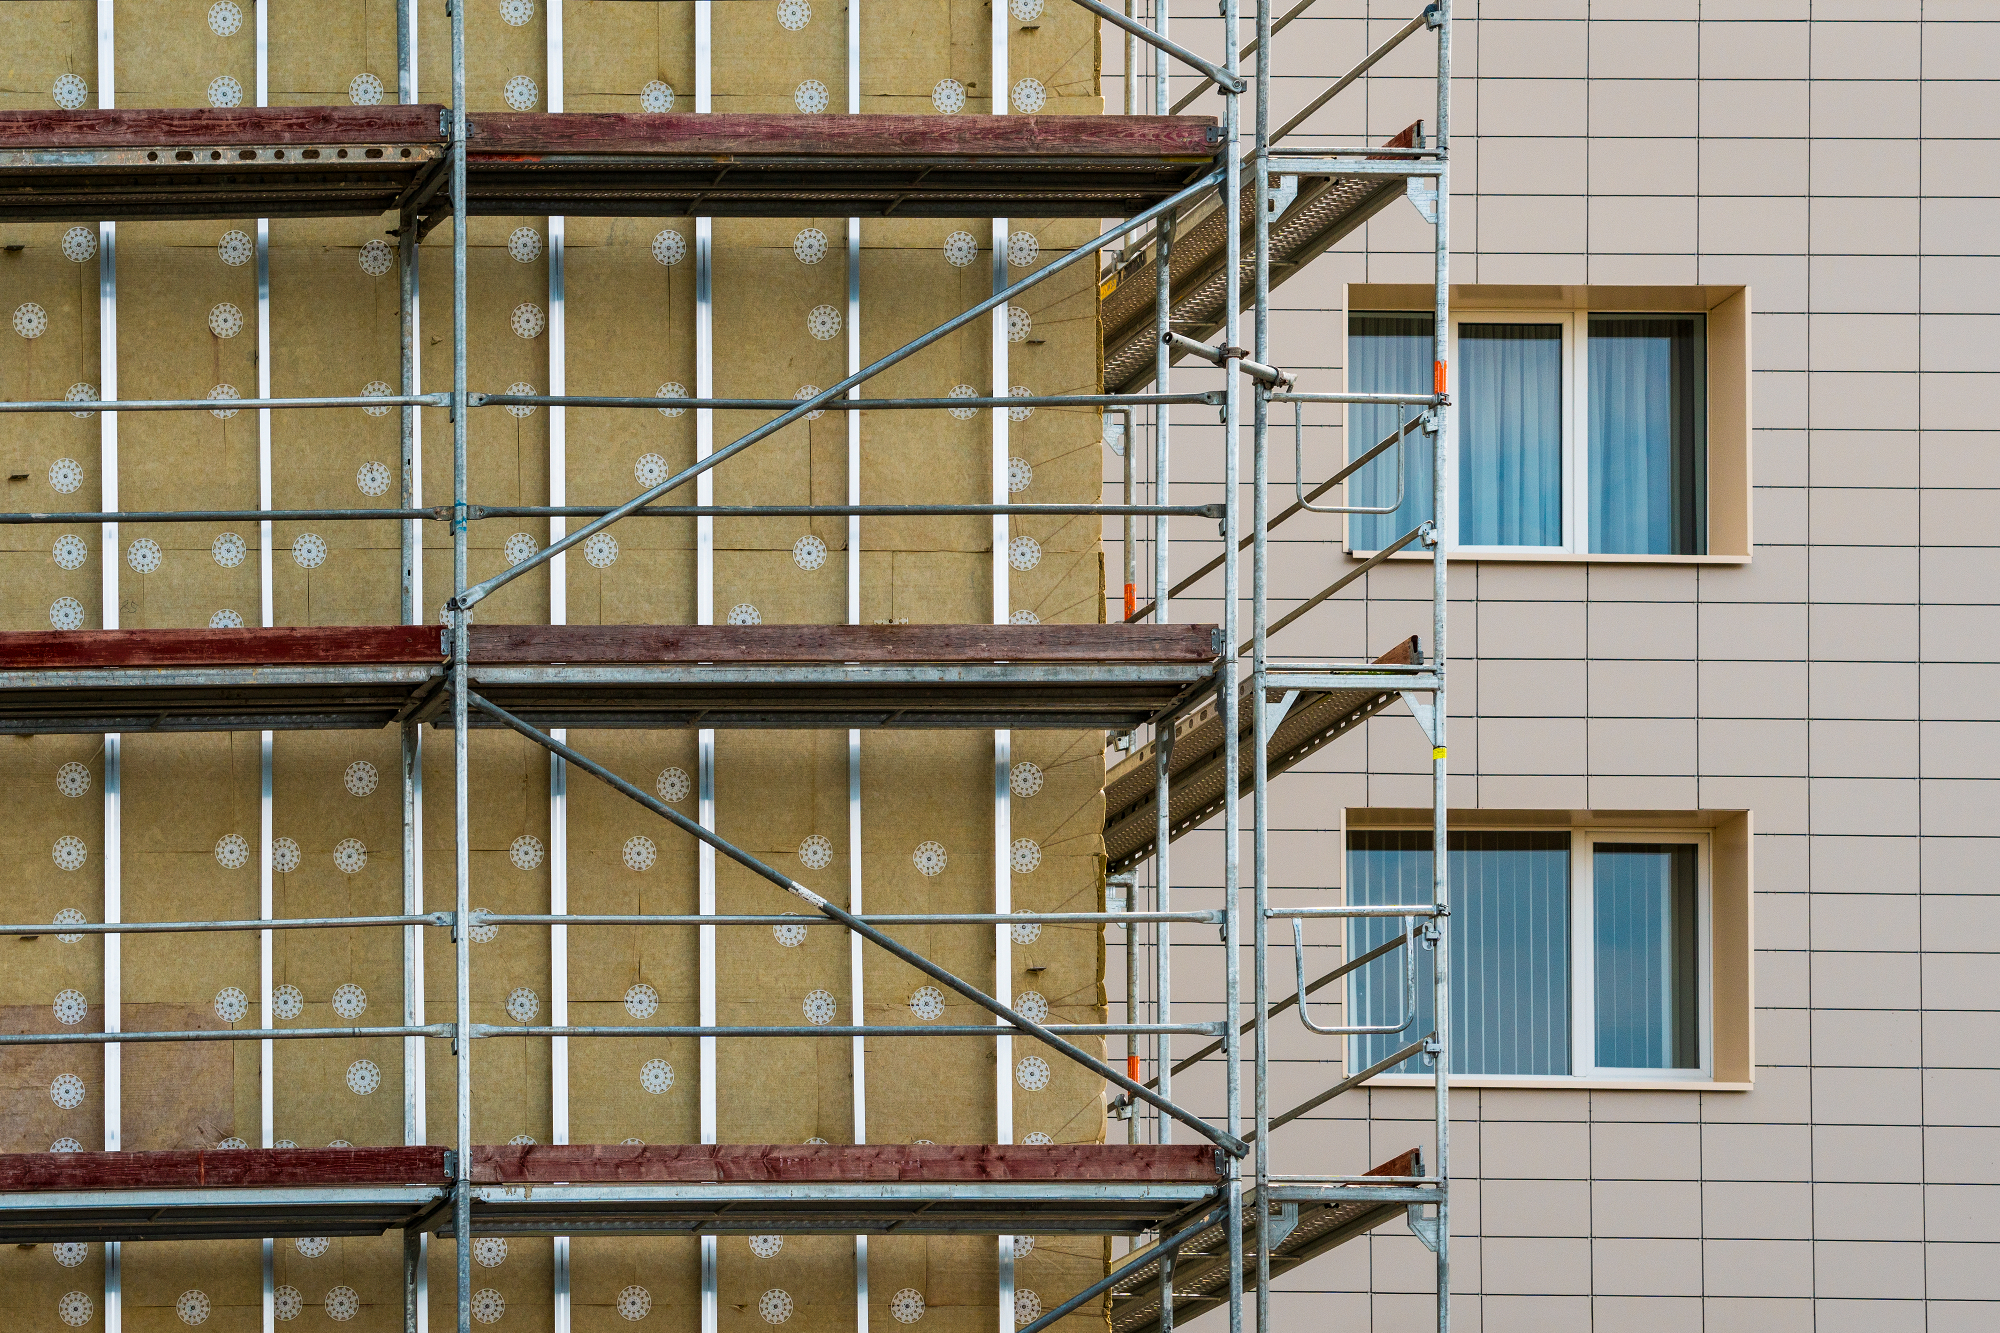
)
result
[(1306, 1222), (1324, 209), (1311, 712)]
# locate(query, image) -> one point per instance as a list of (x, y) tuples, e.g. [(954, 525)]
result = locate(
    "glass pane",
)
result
[(1510, 434), (1388, 353), (1386, 866), (1509, 934), (1643, 897), (1648, 435)]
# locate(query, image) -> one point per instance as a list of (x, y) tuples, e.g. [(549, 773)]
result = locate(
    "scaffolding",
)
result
[(1201, 244)]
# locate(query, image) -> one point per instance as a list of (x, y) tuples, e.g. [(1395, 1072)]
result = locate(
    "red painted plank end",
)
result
[(213, 1169)]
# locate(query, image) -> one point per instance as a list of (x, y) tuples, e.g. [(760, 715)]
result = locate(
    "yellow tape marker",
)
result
[(1438, 753)]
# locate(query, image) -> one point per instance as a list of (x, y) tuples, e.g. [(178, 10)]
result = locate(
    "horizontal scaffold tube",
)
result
[(871, 918), (474, 513), (88, 405), (830, 1030), (216, 1034), (1205, 398), (247, 923)]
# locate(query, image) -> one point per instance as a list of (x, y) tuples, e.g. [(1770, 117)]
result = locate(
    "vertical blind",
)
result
[(1648, 434), (1388, 353), (1509, 936), (1643, 908), (1510, 467)]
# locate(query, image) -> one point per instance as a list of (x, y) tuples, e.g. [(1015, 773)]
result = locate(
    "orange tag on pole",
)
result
[(1437, 377), (1131, 600), (1132, 1068)]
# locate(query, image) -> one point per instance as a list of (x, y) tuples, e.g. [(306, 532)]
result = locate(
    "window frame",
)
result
[(1583, 956), (1583, 1067), (1726, 497), (1574, 360)]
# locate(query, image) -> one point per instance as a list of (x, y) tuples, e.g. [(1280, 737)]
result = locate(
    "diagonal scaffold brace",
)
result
[(466, 599), (1221, 1138)]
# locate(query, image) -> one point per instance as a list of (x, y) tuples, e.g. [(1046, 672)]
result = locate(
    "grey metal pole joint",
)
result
[(1432, 18), (1220, 77), (1428, 533), (1217, 356)]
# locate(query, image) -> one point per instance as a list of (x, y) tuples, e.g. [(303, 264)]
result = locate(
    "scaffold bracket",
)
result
[(1425, 197), (1423, 707), (1425, 1228), (1281, 1221)]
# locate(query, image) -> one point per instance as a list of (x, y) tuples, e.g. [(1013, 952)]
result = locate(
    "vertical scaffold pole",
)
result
[(1440, 852), (1225, 677), (460, 649), (1163, 890), (1260, 563)]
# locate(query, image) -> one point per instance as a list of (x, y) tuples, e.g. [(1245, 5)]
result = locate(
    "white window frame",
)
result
[(1583, 957), (1583, 1066), (1575, 456), (1575, 505)]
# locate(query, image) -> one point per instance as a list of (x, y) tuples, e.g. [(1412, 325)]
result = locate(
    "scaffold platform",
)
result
[(1306, 1221), (617, 1189), (120, 165), (1311, 711), (603, 676), (1319, 209)]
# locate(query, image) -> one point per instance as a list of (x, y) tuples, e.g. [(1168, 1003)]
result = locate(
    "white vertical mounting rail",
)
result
[(266, 895), (558, 615), (416, 1249), (856, 972), (704, 606), (1003, 741)]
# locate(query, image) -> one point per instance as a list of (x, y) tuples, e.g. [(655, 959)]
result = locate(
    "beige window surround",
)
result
[(1731, 942), (1730, 539)]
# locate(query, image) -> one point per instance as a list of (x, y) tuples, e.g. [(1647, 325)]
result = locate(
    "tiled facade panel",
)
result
[(1841, 159)]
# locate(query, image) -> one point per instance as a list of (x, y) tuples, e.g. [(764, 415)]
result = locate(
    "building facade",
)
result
[(1790, 686)]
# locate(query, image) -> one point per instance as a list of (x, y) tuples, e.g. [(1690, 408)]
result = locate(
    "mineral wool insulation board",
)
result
[(188, 810)]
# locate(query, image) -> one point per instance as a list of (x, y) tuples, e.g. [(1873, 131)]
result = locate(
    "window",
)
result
[(1574, 952), (1569, 432)]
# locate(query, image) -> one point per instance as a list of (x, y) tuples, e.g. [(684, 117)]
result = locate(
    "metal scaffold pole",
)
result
[(1226, 670), (1260, 625), (1163, 744), (1440, 794), (461, 645)]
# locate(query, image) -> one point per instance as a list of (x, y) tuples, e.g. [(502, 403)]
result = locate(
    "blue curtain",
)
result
[(1510, 434), (1388, 353), (1648, 434), (1643, 905), (1509, 933)]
